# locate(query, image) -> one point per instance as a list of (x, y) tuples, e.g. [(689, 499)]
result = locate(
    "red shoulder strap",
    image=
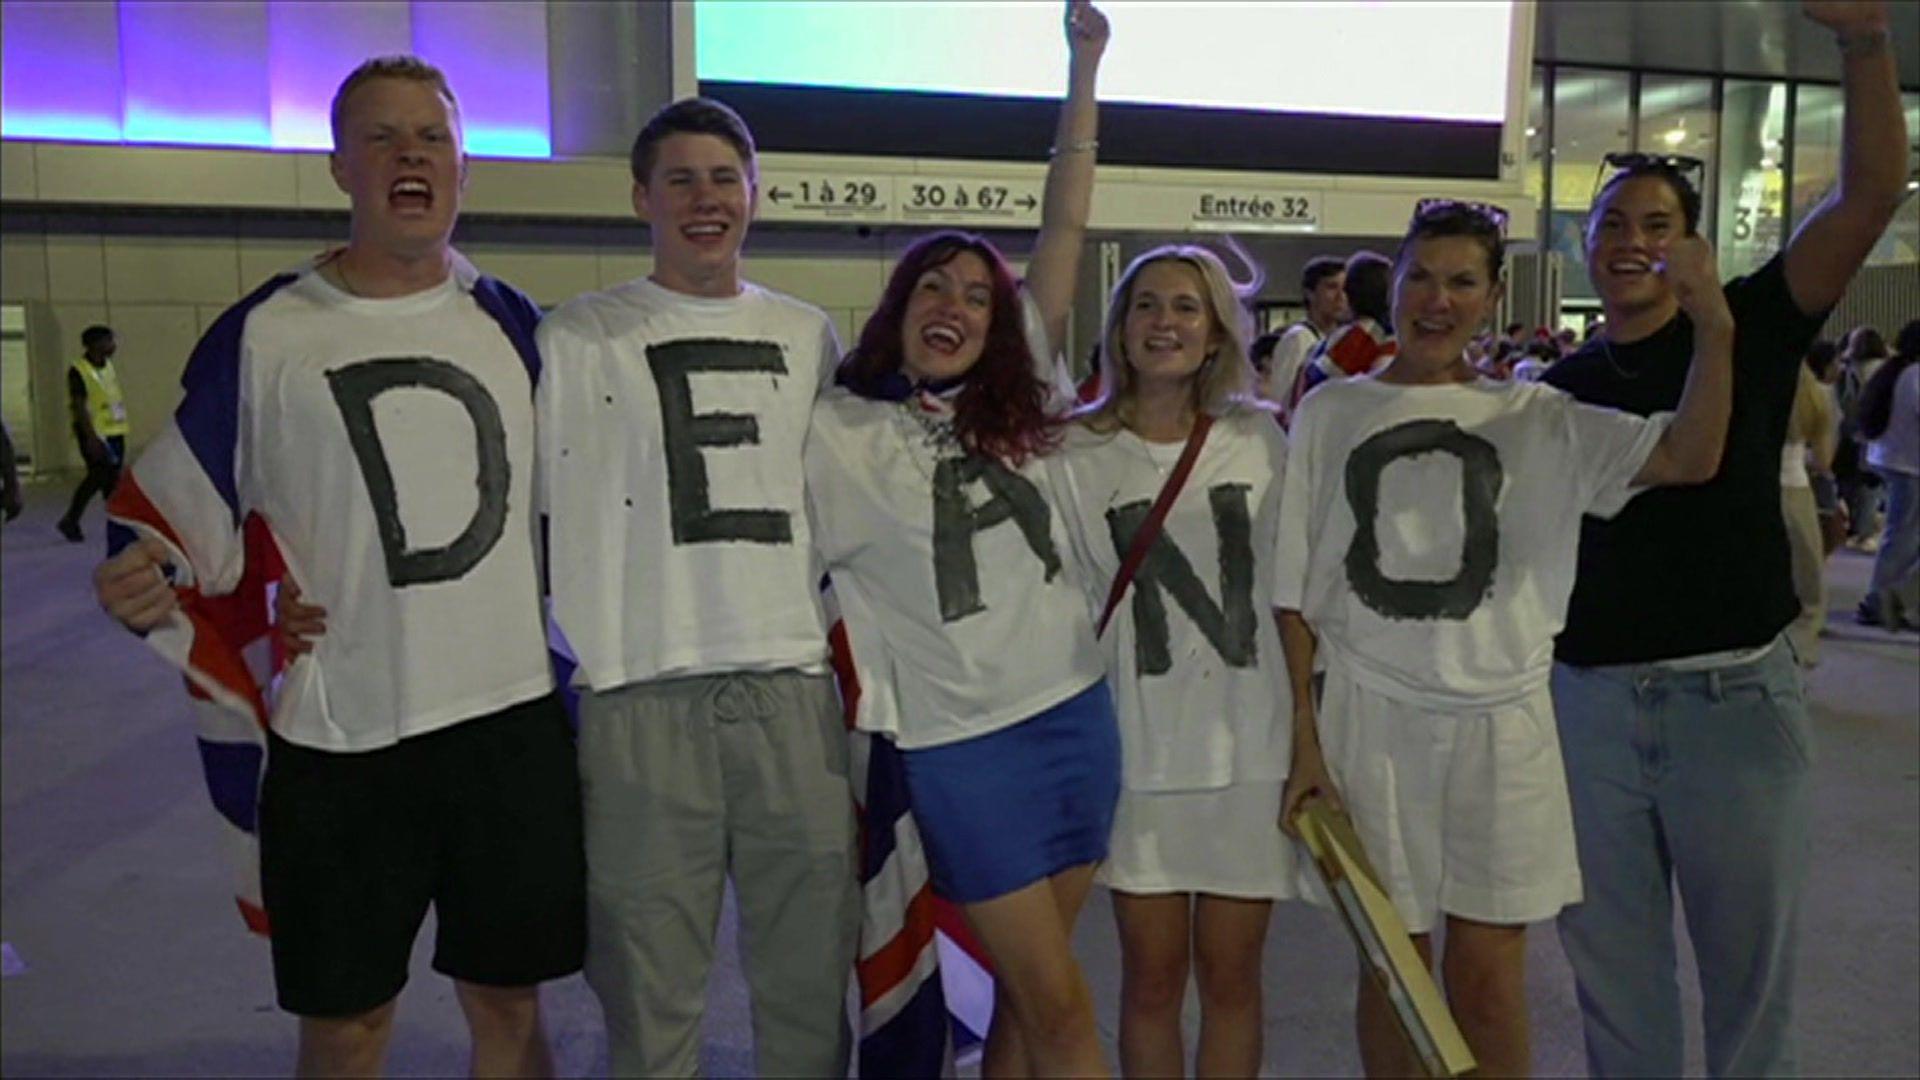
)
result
[(1149, 530)]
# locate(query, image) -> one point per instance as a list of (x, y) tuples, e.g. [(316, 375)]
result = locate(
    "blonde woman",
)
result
[(1193, 656)]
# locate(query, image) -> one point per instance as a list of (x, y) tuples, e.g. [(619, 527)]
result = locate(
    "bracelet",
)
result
[(1082, 146), (1865, 42)]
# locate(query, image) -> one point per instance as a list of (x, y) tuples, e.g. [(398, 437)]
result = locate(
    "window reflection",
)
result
[(1676, 117), (1752, 186), (1590, 120)]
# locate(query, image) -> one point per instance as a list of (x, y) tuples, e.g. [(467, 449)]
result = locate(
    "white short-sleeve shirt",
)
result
[(1198, 679), (1429, 533), (671, 432)]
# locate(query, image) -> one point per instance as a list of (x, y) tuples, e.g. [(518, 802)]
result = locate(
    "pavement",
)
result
[(125, 956)]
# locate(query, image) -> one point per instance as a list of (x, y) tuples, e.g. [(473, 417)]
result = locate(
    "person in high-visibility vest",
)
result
[(99, 423)]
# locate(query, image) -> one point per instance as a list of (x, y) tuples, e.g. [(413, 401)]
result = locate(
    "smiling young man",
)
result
[(672, 418), (375, 412), (1680, 706), (1323, 286)]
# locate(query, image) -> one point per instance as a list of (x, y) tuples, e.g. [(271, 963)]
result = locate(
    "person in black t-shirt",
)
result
[(1680, 708)]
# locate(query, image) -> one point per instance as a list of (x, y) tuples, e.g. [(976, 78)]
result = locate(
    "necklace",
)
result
[(1606, 349), (926, 430), (346, 284)]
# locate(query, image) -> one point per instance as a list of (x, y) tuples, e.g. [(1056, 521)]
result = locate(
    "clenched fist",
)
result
[(132, 588)]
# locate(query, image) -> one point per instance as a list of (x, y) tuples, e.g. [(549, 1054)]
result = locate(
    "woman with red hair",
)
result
[(935, 515)]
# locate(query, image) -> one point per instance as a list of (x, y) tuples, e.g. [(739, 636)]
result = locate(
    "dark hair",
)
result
[(1514, 328), (1906, 343), (1370, 286), (1683, 190), (1865, 343), (1457, 219), (1001, 410), (1543, 350), (1318, 269), (403, 66), (689, 116), (1820, 356), (95, 334), (1261, 351)]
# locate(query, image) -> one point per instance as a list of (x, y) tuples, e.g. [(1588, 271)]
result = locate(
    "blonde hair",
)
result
[(1225, 381), (404, 66)]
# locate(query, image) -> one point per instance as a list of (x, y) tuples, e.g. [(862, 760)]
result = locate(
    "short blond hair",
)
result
[(404, 66), (1224, 382)]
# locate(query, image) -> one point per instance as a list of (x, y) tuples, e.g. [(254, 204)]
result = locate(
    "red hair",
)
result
[(1001, 411)]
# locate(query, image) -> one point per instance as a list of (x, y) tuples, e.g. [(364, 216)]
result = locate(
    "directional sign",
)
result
[(1254, 211), (969, 199), (826, 196)]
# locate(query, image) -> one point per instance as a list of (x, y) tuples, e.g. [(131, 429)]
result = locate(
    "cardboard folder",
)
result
[(1382, 938)]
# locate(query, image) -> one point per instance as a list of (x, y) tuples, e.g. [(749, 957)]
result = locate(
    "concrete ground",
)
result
[(125, 956)]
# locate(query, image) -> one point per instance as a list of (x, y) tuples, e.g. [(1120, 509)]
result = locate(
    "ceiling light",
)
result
[(1675, 137)]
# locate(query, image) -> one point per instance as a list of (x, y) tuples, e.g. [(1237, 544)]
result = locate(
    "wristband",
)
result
[(1082, 146), (1862, 42)]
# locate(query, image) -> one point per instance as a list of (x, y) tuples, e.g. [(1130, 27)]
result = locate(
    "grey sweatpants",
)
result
[(685, 782)]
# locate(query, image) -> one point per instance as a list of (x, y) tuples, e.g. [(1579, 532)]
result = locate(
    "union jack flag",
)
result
[(926, 989), (184, 491)]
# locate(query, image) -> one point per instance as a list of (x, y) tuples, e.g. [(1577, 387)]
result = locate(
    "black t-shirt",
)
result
[(1684, 571)]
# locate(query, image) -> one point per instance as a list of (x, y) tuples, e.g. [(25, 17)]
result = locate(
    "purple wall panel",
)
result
[(261, 73), (60, 70), (315, 44), (195, 72), (498, 67)]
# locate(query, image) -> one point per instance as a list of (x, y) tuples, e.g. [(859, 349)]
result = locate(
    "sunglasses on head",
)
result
[(1690, 169), (1496, 216)]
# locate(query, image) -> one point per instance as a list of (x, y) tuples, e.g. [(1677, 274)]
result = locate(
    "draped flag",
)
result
[(926, 989), (183, 490)]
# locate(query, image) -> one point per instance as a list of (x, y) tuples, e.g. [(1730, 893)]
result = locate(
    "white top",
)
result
[(958, 587), (671, 432), (1192, 652), (1793, 465), (1898, 448), (1471, 494), (1289, 353), (424, 628)]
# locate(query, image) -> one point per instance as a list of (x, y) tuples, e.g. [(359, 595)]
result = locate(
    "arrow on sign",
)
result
[(777, 194), (1027, 202)]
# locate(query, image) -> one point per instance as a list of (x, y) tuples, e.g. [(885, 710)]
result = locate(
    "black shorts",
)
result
[(480, 819)]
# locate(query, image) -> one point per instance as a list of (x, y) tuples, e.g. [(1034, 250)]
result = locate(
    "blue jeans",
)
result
[(1701, 778), (1897, 565)]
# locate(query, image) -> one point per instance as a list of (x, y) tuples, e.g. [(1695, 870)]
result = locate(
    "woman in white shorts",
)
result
[(1429, 528), (1193, 657)]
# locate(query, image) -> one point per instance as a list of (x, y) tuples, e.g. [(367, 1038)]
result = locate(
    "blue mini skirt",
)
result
[(1004, 810)]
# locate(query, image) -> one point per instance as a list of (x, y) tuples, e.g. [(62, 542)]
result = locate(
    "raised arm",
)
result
[(1689, 450), (1826, 250), (1054, 269)]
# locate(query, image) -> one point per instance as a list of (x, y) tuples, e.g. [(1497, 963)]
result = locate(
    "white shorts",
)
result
[(1222, 841), (1461, 812)]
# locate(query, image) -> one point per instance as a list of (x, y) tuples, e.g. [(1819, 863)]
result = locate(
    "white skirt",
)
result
[(1223, 841)]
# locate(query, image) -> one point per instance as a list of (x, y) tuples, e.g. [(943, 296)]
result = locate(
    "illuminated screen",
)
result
[(1364, 87)]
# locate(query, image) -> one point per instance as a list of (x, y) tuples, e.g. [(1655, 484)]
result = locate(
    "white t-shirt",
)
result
[(389, 446), (1289, 353), (671, 429), (1471, 496), (1201, 687), (958, 587)]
